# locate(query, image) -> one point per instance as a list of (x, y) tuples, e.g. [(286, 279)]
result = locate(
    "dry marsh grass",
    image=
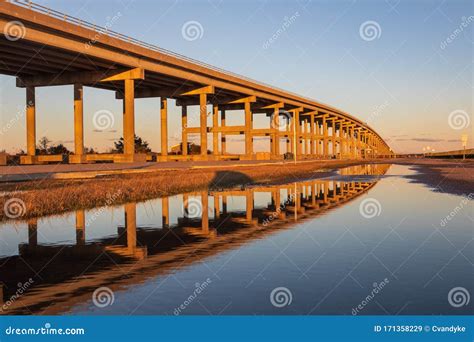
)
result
[(48, 197)]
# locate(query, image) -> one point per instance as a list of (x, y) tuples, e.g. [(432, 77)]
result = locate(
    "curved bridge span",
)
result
[(42, 47)]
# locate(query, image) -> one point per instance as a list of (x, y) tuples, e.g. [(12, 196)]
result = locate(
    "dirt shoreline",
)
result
[(46, 197), (452, 176)]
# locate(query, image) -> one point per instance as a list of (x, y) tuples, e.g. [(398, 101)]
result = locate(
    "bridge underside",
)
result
[(49, 51)]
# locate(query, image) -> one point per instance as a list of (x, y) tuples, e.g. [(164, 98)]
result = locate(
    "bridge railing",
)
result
[(105, 31)]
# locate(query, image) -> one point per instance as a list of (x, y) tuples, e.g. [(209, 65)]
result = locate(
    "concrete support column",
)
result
[(205, 212), (311, 137), (297, 133), (203, 122), (316, 138), (289, 146), (215, 134), (333, 136), (184, 127), (129, 119), (33, 232), (78, 120), (303, 137), (249, 204), (80, 227), (276, 133), (248, 130), (165, 212), (217, 206), (30, 121), (223, 142), (164, 126), (131, 225), (325, 138)]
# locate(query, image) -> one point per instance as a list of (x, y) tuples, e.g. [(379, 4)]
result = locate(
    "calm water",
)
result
[(364, 240)]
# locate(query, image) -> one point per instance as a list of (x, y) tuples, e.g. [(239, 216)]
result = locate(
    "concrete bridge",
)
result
[(81, 54)]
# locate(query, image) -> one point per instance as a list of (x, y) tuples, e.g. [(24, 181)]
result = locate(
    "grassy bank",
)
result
[(48, 197)]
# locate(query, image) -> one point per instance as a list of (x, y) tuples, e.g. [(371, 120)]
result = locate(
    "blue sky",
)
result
[(403, 82)]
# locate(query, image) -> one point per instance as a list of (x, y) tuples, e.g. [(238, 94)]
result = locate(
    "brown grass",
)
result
[(58, 196)]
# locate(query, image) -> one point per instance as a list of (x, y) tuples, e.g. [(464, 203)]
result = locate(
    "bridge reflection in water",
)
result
[(64, 275)]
